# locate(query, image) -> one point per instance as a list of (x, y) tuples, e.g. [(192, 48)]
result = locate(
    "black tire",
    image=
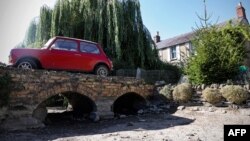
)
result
[(27, 64), (102, 70)]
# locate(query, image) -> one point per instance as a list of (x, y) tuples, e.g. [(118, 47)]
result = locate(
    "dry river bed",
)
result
[(186, 124)]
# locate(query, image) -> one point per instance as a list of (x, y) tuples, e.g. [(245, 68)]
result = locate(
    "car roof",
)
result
[(76, 39)]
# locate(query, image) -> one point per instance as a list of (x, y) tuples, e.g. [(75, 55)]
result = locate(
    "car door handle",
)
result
[(77, 54)]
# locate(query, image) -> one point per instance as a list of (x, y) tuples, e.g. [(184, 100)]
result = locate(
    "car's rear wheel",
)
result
[(27, 64), (102, 70)]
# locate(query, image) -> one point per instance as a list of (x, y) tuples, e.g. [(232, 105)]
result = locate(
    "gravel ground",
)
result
[(188, 124)]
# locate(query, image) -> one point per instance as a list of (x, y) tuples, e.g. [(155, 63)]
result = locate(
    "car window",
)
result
[(89, 48), (62, 44), (48, 43)]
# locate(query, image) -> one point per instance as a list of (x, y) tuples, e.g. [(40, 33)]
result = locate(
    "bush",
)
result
[(182, 92), (212, 96), (234, 94), (220, 51), (167, 92)]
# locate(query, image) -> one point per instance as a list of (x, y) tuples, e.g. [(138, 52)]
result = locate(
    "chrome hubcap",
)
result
[(102, 72), (25, 65)]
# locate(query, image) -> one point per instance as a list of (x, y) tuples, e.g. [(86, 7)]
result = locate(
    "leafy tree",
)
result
[(220, 51), (30, 37), (116, 24), (44, 26)]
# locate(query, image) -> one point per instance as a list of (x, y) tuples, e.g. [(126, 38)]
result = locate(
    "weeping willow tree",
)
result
[(44, 26), (116, 24), (30, 37)]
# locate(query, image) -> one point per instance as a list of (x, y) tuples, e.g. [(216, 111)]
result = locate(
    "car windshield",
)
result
[(48, 43)]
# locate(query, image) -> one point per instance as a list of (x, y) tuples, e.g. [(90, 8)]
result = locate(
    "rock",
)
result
[(233, 106), (94, 117), (22, 123), (160, 83), (203, 86), (183, 79), (195, 109), (206, 104), (165, 106), (198, 87), (125, 137), (130, 124), (211, 109), (190, 134), (223, 111), (248, 103), (142, 120), (3, 113), (181, 107), (123, 116), (140, 112), (228, 104), (40, 113), (221, 86)]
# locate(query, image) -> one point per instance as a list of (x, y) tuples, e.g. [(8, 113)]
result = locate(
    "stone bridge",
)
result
[(87, 94)]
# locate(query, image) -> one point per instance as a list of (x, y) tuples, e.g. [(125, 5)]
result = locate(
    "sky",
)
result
[(169, 17)]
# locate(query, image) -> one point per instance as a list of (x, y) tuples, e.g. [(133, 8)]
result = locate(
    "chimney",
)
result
[(157, 38), (241, 14)]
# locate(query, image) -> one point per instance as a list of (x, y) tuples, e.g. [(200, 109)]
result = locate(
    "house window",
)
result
[(173, 53)]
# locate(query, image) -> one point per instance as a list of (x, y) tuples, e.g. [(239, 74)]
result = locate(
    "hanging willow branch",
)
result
[(116, 24)]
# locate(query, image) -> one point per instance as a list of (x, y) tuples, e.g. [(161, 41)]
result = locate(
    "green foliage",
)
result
[(183, 92), (167, 92), (115, 24), (220, 51), (5, 81), (30, 37), (44, 26), (235, 94), (211, 95), (57, 101)]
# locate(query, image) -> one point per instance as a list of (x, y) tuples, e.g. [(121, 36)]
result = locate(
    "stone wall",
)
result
[(151, 76), (29, 89)]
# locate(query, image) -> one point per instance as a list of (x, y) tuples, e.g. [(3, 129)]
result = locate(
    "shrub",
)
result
[(182, 92), (167, 92), (220, 51), (212, 96), (234, 94)]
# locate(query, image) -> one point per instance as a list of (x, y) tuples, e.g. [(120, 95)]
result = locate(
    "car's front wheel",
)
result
[(27, 64), (102, 70)]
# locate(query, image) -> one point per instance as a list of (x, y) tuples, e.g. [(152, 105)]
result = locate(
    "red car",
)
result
[(63, 53)]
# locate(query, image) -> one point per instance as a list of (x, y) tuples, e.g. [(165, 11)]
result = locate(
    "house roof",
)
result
[(187, 37), (175, 40)]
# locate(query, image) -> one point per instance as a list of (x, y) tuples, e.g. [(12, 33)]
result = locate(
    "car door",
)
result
[(90, 54), (65, 54)]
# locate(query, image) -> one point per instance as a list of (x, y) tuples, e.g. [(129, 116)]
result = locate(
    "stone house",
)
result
[(176, 50)]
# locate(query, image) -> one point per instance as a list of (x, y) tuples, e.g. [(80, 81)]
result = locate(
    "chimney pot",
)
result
[(241, 14), (157, 38)]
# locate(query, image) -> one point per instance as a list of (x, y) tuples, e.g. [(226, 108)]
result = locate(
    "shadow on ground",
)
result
[(62, 128)]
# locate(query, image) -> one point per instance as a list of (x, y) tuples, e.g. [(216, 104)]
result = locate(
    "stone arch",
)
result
[(129, 104), (131, 91), (84, 94), (62, 88)]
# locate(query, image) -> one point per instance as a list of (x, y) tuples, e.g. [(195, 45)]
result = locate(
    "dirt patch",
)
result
[(187, 124)]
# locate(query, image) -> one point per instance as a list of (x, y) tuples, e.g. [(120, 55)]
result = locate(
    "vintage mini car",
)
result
[(63, 53)]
